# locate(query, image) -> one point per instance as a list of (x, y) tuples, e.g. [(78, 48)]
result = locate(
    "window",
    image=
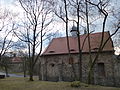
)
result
[(51, 51), (95, 48), (52, 64), (71, 60), (72, 49), (101, 69)]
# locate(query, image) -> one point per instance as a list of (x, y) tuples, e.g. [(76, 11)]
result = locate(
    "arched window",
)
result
[(101, 69)]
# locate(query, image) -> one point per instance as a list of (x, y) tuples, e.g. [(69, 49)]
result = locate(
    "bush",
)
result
[(76, 84)]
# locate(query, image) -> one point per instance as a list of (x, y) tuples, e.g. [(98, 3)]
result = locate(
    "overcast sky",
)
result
[(11, 4), (6, 1)]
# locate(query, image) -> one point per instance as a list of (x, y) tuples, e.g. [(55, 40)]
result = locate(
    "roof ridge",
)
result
[(81, 35)]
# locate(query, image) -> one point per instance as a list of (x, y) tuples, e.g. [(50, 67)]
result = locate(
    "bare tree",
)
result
[(35, 27), (52, 35), (101, 8), (6, 39), (116, 38), (62, 12), (78, 14), (91, 12)]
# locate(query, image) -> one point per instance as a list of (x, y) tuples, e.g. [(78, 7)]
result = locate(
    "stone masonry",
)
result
[(59, 68)]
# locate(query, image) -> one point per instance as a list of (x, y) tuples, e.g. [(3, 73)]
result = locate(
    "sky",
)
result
[(6, 2), (11, 4)]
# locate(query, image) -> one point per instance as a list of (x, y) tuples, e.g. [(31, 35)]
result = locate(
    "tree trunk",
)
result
[(31, 70), (67, 37), (60, 68), (6, 71), (24, 67), (90, 74), (31, 74), (39, 72), (79, 43)]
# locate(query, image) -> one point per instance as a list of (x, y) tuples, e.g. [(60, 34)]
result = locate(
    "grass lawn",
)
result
[(12, 83)]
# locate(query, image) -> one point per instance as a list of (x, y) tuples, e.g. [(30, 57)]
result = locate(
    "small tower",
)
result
[(73, 31), (85, 32)]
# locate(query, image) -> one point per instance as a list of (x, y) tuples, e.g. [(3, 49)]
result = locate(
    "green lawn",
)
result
[(23, 84)]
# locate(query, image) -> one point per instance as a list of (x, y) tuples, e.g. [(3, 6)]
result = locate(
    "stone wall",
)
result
[(59, 68), (16, 67)]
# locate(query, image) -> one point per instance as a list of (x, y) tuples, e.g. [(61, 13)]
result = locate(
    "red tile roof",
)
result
[(16, 59), (59, 45)]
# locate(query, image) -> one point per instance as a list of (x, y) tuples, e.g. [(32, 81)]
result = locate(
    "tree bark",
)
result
[(6, 71)]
